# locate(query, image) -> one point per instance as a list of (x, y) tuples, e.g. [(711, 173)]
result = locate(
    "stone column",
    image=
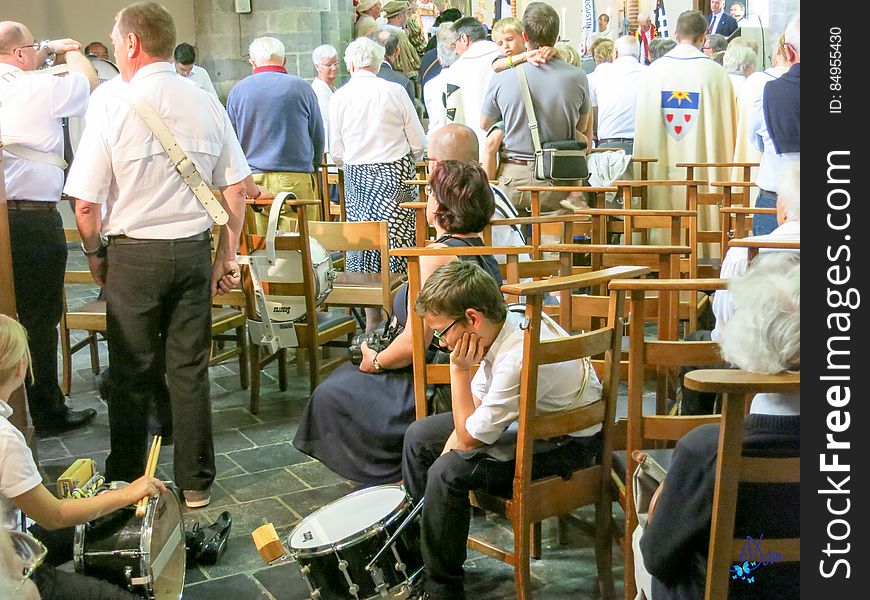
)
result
[(223, 36)]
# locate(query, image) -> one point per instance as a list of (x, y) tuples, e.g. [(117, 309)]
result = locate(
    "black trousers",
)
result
[(446, 480), (38, 264), (158, 305)]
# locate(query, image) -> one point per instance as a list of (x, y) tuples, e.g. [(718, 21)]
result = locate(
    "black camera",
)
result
[(377, 340)]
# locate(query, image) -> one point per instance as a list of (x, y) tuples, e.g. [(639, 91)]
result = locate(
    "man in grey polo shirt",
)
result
[(560, 93)]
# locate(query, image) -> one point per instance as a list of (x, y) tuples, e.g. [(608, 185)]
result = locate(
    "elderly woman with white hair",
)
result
[(763, 336), (376, 136), (325, 59), (739, 61)]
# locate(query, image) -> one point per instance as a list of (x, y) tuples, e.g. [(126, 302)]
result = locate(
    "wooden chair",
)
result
[(753, 246), (229, 323), (736, 223), (89, 316), (328, 210), (316, 330), (663, 355), (535, 500), (359, 289), (732, 468)]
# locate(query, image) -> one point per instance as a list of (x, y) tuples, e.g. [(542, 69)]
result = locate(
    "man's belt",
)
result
[(515, 161), (30, 205), (123, 239), (612, 139)]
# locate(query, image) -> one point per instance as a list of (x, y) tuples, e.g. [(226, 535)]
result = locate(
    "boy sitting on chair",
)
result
[(466, 310)]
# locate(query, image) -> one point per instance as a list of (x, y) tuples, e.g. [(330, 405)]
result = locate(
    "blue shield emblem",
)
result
[(680, 111)]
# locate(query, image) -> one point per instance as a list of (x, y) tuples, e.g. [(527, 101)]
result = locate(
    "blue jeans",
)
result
[(764, 224)]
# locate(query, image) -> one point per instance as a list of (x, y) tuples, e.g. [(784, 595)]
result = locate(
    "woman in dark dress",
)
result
[(356, 419)]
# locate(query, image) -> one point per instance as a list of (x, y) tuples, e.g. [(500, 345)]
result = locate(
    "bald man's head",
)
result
[(12, 36), (454, 142)]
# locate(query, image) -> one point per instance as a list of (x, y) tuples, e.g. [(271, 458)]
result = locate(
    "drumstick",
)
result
[(150, 469)]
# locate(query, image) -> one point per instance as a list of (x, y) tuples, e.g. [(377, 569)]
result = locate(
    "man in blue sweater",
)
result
[(277, 119)]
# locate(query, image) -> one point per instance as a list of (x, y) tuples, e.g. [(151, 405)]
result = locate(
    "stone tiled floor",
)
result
[(262, 478)]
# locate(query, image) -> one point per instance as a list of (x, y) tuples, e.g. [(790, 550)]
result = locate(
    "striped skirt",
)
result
[(373, 193)]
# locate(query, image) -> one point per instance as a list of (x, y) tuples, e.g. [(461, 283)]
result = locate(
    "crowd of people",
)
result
[(423, 84)]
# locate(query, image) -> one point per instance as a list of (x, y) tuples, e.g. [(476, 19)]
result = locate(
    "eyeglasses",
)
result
[(439, 335), (30, 550), (428, 190)]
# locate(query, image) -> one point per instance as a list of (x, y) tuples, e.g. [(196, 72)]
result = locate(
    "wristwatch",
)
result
[(375, 363), (100, 251)]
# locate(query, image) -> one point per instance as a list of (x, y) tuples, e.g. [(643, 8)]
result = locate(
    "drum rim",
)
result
[(357, 537)]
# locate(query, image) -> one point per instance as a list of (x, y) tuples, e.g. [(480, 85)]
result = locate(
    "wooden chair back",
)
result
[(359, 289), (328, 210), (732, 468), (736, 223), (754, 246)]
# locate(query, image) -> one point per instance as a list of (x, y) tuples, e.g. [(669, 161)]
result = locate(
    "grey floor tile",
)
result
[(268, 457), (273, 432), (238, 587), (51, 448), (315, 474), (265, 484), (248, 516), (307, 501), (283, 581), (232, 419)]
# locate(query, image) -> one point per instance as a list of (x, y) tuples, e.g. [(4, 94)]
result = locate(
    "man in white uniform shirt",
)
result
[(155, 259), (464, 307), (467, 80), (613, 93), (31, 108), (185, 56)]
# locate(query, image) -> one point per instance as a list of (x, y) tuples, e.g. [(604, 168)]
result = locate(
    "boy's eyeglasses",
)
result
[(30, 550), (439, 335)]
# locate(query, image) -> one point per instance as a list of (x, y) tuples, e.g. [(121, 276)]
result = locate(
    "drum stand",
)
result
[(404, 593)]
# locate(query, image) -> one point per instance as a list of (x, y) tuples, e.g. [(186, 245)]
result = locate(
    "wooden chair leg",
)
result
[(604, 549), (254, 361), (95, 353), (66, 377), (282, 369), (313, 366), (244, 350), (535, 549), (522, 574)]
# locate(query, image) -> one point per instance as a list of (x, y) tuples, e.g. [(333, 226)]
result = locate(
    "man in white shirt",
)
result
[(613, 93), (152, 251), (465, 309), (468, 78), (435, 88), (185, 56), (31, 108)]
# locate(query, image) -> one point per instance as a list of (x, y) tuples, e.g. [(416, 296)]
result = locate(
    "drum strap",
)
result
[(22, 151), (185, 167)]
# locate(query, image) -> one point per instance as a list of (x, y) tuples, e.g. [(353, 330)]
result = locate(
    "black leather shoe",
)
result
[(205, 545), (72, 419)]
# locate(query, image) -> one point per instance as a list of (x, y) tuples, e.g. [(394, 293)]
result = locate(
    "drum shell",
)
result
[(321, 565), (122, 548)]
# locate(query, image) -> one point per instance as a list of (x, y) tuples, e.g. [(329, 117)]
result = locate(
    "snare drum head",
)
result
[(164, 541), (341, 520)]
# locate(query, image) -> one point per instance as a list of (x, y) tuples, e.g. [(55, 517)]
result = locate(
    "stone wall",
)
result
[(223, 36)]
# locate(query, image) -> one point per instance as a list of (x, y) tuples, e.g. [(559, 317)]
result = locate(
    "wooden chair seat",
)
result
[(367, 280)]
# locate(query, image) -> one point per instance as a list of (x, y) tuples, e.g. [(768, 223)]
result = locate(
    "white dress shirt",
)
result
[(613, 88), (128, 170), (18, 473), (772, 162), (31, 107), (324, 95), (433, 93), (373, 121), (736, 264), (497, 382), (200, 77)]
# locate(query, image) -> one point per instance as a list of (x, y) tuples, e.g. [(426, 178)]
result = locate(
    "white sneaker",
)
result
[(197, 498)]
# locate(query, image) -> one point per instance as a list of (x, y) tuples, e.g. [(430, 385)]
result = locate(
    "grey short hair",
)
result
[(388, 38), (323, 52), (628, 45), (364, 53), (718, 43), (264, 48), (471, 27), (764, 333), (737, 56), (792, 33), (445, 36), (658, 47)]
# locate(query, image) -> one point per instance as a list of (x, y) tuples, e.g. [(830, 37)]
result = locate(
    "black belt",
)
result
[(614, 140), (30, 205), (515, 161), (123, 239)]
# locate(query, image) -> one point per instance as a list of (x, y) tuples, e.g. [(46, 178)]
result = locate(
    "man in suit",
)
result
[(719, 21), (389, 39)]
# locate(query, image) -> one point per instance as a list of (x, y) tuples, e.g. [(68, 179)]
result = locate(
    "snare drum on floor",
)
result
[(145, 555), (334, 544)]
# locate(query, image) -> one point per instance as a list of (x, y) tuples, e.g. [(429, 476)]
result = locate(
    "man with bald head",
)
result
[(31, 108), (152, 251), (455, 141)]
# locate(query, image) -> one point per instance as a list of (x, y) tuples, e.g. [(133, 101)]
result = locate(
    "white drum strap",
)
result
[(22, 151), (185, 167)]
